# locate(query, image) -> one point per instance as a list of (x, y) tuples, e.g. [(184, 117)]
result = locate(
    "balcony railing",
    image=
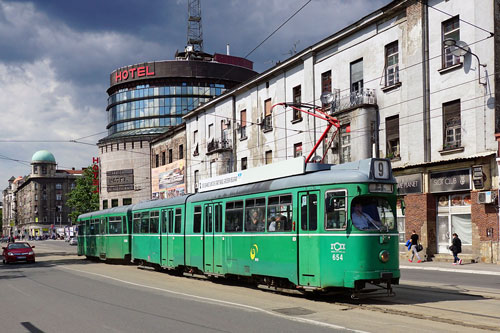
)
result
[(354, 100), (219, 145)]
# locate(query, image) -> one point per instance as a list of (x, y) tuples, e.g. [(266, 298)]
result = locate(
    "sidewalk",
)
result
[(476, 268)]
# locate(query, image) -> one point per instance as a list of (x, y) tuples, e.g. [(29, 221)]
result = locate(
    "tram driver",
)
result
[(256, 223), (361, 219)]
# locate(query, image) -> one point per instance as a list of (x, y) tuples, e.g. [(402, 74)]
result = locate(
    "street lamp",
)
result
[(460, 48)]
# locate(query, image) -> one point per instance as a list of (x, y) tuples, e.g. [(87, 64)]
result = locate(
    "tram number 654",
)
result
[(337, 257)]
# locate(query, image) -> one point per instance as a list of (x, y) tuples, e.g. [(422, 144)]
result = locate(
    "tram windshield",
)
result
[(372, 213)]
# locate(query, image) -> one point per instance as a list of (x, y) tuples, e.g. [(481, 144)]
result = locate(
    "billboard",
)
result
[(167, 181)]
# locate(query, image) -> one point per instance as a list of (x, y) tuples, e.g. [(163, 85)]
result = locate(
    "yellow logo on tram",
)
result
[(253, 251)]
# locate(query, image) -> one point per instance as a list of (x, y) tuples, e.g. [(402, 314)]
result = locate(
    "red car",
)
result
[(20, 251)]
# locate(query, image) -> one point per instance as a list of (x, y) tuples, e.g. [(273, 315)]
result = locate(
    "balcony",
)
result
[(354, 100), (219, 145)]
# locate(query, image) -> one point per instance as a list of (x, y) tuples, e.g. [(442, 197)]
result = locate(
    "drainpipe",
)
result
[(425, 79), (235, 160)]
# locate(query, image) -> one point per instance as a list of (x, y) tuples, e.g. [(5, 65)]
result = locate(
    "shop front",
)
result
[(452, 193)]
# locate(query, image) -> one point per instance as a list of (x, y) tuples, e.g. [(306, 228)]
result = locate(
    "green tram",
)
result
[(105, 234), (330, 227)]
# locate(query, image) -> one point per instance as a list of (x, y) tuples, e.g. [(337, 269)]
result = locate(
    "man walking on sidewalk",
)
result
[(456, 248), (414, 243)]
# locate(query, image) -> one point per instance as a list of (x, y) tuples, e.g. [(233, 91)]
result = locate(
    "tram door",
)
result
[(208, 238), (103, 230), (308, 239), (166, 231)]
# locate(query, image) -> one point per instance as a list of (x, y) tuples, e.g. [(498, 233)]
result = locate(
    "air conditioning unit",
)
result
[(486, 197)]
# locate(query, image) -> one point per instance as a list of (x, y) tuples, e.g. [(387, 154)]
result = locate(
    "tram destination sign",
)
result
[(120, 180), (409, 184), (449, 181)]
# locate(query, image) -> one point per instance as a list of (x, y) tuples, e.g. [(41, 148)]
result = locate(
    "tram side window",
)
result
[(234, 216), (102, 227), (154, 220), (115, 225), (170, 221), (197, 219), (208, 218), (218, 217), (335, 210), (255, 213), (145, 223), (164, 222), (279, 213), (137, 223), (178, 220)]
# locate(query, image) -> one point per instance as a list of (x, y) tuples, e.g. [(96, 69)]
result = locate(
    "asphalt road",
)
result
[(63, 292)]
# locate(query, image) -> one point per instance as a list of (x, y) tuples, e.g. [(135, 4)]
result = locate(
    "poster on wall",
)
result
[(167, 181)]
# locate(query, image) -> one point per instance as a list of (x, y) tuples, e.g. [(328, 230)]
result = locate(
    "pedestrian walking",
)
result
[(456, 248), (414, 244)]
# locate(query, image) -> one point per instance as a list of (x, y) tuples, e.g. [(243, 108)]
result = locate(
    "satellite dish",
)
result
[(326, 98), (459, 49)]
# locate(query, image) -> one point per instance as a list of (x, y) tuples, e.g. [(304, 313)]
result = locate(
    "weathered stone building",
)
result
[(41, 199), (413, 82)]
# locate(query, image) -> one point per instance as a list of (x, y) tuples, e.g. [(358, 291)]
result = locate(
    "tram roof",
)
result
[(114, 210), (346, 173), (161, 203)]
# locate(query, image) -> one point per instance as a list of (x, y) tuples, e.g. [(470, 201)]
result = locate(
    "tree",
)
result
[(83, 199)]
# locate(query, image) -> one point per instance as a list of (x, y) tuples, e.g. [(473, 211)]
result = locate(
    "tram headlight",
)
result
[(384, 256)]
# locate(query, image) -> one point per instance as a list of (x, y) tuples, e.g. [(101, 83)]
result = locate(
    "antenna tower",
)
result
[(194, 33)]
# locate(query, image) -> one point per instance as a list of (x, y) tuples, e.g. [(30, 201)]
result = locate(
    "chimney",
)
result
[(227, 49)]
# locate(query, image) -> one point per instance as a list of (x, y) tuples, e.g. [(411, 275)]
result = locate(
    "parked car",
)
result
[(19, 251), (73, 241)]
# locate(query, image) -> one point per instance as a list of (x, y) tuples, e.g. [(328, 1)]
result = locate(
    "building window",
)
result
[(345, 143), (326, 82), (267, 124), (35, 169), (181, 152), (36, 197), (297, 149), (117, 147), (269, 157), (243, 125), (450, 30), (44, 170), (127, 201), (58, 197), (163, 159), (297, 94), (452, 125), (391, 64), (157, 160), (114, 202), (104, 204), (36, 186), (356, 77), (210, 130), (196, 179), (58, 186), (213, 169), (132, 145), (392, 136), (244, 163), (170, 156), (73, 185)]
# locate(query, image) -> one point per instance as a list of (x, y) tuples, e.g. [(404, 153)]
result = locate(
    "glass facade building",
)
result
[(148, 108)]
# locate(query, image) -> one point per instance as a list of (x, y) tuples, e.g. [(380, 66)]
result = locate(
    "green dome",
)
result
[(43, 156)]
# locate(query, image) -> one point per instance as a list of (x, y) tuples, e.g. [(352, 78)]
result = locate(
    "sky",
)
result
[(56, 57)]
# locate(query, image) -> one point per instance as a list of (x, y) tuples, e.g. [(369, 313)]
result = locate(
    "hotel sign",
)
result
[(133, 73), (120, 180)]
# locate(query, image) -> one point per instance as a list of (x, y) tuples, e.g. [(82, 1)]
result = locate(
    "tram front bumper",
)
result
[(374, 277)]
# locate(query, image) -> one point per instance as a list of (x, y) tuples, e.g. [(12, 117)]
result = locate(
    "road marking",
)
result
[(221, 302), (455, 270), (22, 292)]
